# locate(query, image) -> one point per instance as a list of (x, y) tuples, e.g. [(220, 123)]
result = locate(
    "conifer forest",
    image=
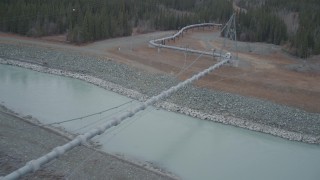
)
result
[(90, 20)]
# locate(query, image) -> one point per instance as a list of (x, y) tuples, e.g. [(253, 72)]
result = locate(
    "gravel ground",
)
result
[(207, 101), (80, 163)]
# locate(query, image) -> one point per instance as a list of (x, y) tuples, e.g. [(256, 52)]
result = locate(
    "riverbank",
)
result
[(80, 163), (249, 113)]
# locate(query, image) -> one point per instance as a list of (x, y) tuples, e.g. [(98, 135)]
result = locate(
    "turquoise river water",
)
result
[(188, 147)]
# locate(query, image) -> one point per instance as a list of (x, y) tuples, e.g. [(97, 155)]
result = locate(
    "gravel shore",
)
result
[(245, 112), (18, 147)]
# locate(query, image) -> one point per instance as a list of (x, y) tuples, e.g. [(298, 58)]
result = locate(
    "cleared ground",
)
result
[(264, 70)]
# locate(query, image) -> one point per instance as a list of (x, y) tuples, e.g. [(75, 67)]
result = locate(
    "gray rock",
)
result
[(138, 84)]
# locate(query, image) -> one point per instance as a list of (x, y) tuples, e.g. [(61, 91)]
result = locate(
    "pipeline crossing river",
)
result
[(188, 147)]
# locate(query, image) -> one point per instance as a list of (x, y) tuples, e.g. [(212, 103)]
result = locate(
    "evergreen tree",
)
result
[(86, 21)]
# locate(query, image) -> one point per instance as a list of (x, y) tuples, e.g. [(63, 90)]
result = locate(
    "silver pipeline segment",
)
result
[(35, 165), (194, 51), (158, 42)]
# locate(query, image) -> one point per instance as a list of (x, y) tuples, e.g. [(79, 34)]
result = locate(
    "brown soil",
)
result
[(263, 76)]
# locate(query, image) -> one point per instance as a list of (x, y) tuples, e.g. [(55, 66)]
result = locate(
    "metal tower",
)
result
[(229, 32)]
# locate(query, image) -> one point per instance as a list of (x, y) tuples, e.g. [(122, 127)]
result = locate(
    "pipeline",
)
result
[(158, 42), (35, 165)]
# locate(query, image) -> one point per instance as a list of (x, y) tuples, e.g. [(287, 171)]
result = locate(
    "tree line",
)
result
[(82, 20), (264, 23), (90, 20), (261, 26)]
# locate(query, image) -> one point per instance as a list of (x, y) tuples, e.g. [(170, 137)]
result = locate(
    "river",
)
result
[(188, 147)]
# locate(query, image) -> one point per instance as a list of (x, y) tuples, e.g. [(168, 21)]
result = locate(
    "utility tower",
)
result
[(229, 32)]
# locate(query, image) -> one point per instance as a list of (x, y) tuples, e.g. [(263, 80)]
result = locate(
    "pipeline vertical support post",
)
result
[(235, 38)]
